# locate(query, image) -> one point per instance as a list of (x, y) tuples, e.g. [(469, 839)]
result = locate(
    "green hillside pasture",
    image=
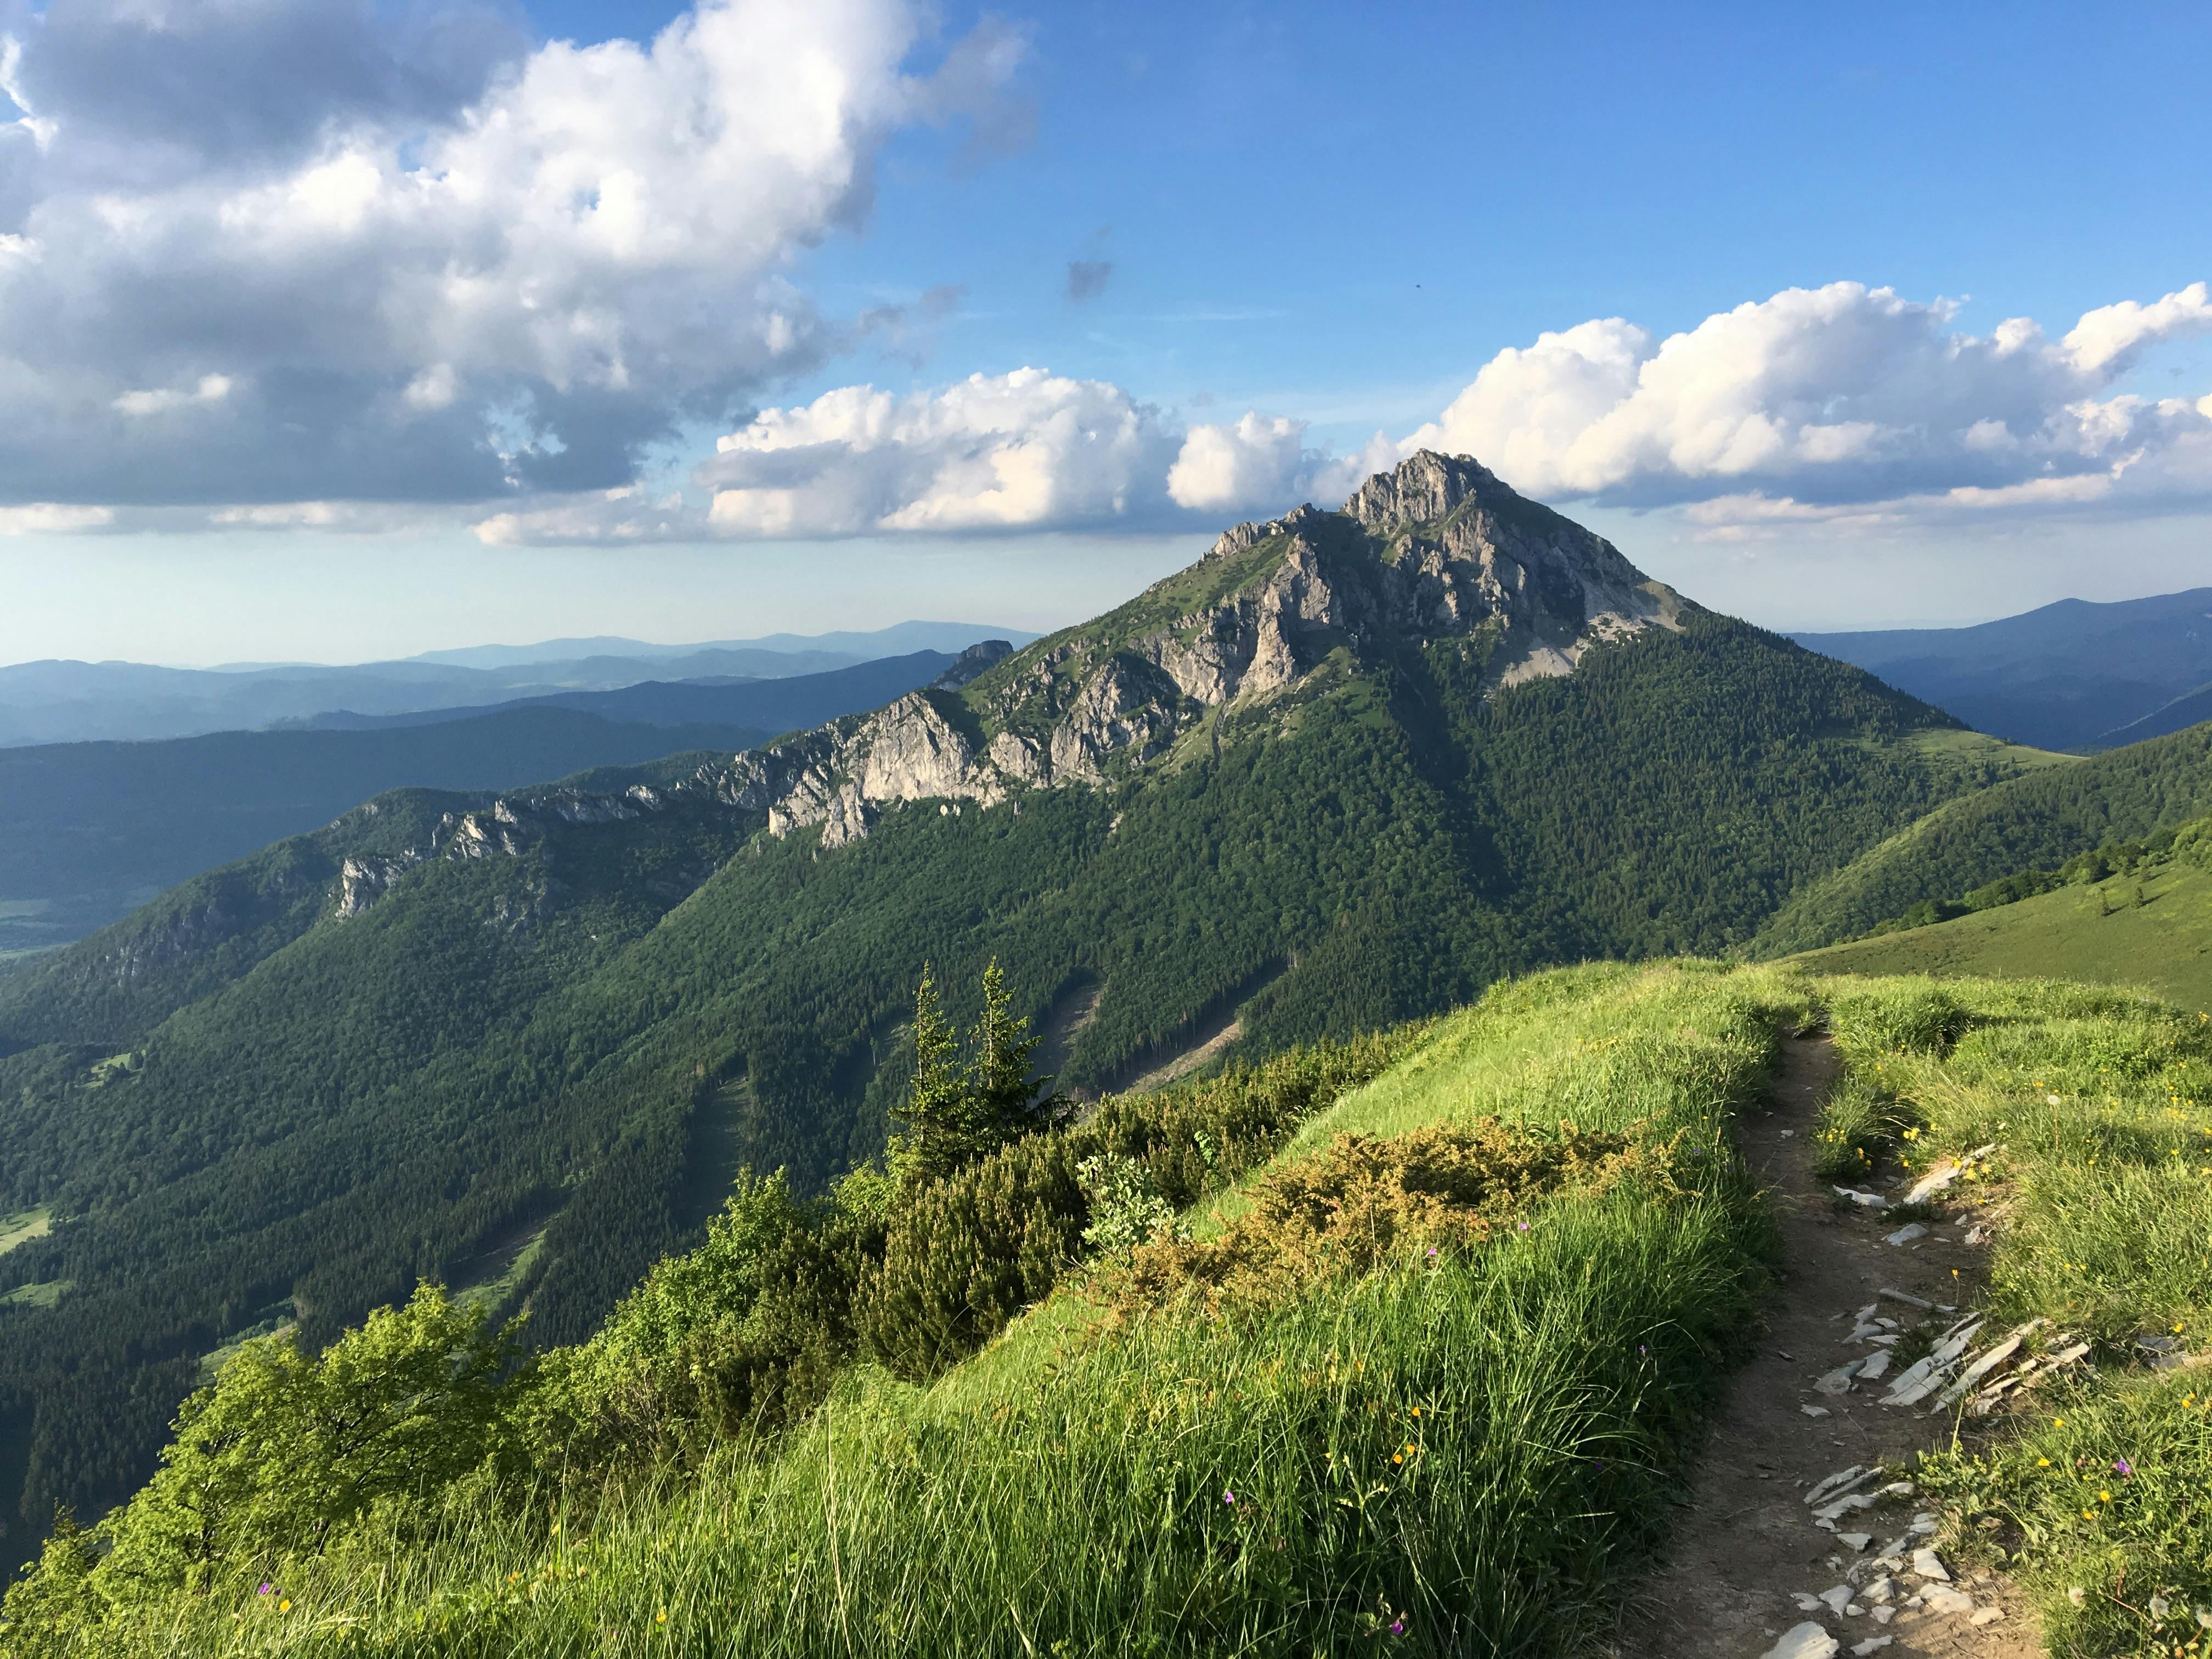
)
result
[(2153, 930), (2035, 821), (1462, 1454), (2100, 1200)]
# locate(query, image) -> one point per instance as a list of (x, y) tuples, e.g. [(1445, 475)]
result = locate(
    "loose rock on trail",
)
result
[(1802, 1537)]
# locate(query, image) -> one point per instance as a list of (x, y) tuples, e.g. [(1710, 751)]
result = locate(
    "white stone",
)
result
[(1941, 1598), (1987, 1616), (1908, 1233), (1806, 1601), (1929, 1565), (1814, 1411), (1805, 1641), (1858, 1540), (1872, 1645), (1838, 1598)]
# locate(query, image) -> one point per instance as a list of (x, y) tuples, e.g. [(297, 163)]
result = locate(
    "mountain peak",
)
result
[(1422, 488)]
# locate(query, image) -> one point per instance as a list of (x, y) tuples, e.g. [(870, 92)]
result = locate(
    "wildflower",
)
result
[(1398, 1626), (2121, 1466), (1229, 1497), (2104, 1498), (660, 1618), (284, 1606), (263, 1590), (1525, 1226), (2042, 1462)]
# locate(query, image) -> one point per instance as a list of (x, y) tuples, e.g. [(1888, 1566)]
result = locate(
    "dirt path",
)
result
[(1747, 1544)]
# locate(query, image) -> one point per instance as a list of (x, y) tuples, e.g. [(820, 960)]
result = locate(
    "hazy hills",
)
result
[(59, 702), (89, 831), (1350, 767), (2072, 675)]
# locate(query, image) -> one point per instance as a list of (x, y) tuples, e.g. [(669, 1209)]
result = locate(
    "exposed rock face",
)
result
[(362, 881), (1437, 548), (979, 658)]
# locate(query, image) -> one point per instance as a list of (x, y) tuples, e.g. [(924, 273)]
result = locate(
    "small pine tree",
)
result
[(942, 1132), (1005, 1095), (955, 1115)]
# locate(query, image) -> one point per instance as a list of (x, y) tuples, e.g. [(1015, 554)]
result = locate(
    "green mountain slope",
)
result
[(1349, 768), (2149, 927), (2037, 821)]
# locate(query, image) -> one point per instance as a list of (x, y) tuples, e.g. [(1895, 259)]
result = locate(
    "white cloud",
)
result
[(1026, 451), (600, 236), (1840, 397), (211, 389), (1261, 464), (40, 517)]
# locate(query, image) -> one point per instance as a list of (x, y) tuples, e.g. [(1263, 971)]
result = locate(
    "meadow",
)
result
[(2094, 1492)]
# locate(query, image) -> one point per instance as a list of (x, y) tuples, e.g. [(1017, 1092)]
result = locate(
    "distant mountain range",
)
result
[(2072, 675), (771, 706), (63, 702), (90, 830), (899, 638)]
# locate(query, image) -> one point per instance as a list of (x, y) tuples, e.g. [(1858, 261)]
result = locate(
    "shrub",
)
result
[(1344, 1210), (742, 1335), (287, 1449), (966, 1255), (1127, 1209)]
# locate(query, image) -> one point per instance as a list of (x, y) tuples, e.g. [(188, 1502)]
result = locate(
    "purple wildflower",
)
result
[(2122, 1467), (1398, 1626), (1525, 1226), (263, 1590), (1229, 1497)]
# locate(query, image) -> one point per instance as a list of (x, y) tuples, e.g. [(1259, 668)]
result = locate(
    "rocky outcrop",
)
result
[(362, 881), (978, 659), (1436, 547)]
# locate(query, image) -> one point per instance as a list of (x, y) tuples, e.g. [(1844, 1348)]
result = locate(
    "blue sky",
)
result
[(276, 426)]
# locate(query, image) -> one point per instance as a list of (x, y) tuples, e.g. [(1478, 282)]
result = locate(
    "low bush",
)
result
[(1348, 1209)]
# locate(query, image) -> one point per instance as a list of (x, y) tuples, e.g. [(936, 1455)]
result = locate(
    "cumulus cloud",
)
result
[(44, 518), (1831, 399), (1026, 451), (423, 262), (1030, 450), (1260, 462)]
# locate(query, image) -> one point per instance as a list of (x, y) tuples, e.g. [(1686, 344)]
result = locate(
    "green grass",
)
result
[(2103, 933), (490, 1293), (2100, 1199), (23, 1227), (1978, 753), (1475, 1448), (40, 1295)]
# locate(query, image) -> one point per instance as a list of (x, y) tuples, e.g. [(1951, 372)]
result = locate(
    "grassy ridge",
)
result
[(2149, 925), (1470, 1448), (2100, 1200)]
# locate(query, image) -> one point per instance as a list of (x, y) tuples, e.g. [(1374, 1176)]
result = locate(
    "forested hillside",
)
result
[(2037, 821), (1349, 769)]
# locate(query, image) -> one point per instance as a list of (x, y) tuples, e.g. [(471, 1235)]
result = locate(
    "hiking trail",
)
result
[(1747, 1553)]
